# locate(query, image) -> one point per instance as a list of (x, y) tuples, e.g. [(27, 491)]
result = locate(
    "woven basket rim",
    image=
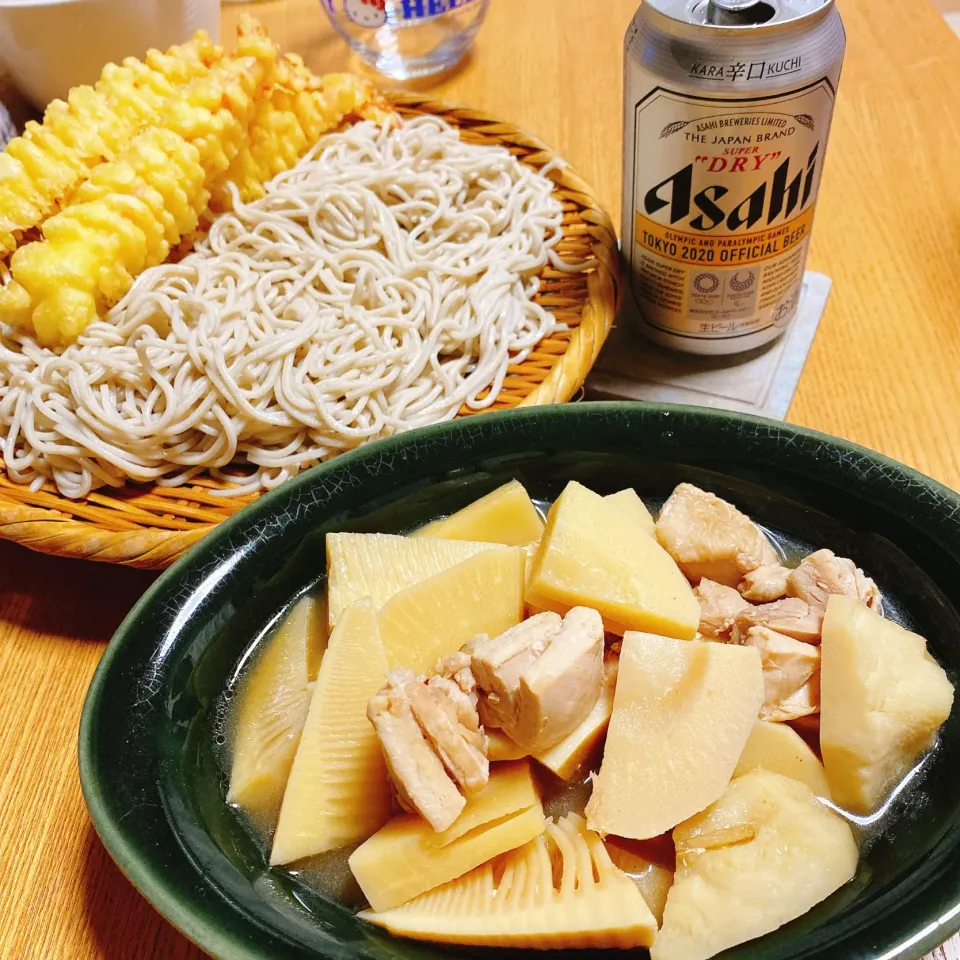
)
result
[(150, 526)]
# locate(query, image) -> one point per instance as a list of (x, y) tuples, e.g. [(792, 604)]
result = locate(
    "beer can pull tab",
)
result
[(739, 13)]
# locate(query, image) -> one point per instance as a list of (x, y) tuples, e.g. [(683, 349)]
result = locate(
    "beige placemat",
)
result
[(761, 381)]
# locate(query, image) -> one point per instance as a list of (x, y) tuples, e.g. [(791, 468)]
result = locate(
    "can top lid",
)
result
[(738, 13)]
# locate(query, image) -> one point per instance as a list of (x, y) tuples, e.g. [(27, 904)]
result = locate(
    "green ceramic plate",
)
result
[(148, 759)]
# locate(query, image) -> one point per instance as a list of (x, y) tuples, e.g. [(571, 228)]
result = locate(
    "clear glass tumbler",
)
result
[(407, 38)]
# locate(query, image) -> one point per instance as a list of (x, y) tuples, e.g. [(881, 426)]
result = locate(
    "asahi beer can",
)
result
[(727, 108)]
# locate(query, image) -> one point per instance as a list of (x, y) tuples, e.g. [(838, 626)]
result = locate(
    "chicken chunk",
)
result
[(559, 690), (824, 573), (430, 734), (765, 584), (790, 674), (423, 785), (540, 679), (790, 616), (709, 537), (719, 606), (457, 669), (498, 668), (803, 704), (450, 723)]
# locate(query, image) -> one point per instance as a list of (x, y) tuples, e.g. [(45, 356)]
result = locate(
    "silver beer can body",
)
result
[(727, 111)]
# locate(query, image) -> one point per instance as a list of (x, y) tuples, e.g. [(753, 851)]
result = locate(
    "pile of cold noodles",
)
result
[(381, 284)]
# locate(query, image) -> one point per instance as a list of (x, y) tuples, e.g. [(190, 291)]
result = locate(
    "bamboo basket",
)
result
[(148, 526)]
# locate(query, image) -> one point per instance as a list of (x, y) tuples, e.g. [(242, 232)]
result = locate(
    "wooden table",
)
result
[(883, 372)]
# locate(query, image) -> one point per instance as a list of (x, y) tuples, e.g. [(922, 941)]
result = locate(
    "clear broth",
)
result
[(329, 874)]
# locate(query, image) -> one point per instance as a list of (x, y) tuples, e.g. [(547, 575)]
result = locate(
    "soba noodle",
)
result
[(379, 285)]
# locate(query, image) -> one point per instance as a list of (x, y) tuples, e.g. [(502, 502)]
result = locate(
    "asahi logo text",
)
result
[(713, 204)]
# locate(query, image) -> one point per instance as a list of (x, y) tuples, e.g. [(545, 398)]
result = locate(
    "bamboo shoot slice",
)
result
[(682, 713), (507, 516), (338, 790), (436, 617), (406, 857), (517, 902), (378, 565), (591, 555), (271, 708), (630, 503)]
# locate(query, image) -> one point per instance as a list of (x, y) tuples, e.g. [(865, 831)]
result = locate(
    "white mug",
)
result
[(49, 46)]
